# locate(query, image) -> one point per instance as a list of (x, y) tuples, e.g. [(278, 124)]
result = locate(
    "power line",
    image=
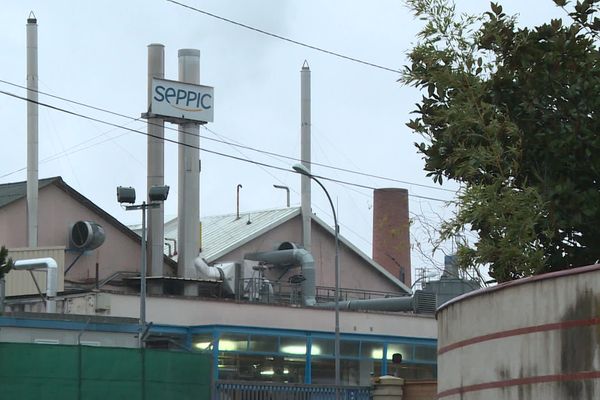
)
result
[(370, 64), (87, 117), (266, 152)]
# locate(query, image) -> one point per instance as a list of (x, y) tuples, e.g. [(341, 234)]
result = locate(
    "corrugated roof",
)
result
[(224, 233), (10, 192)]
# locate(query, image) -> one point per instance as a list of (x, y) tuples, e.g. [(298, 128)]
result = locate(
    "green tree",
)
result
[(511, 113), (6, 264)]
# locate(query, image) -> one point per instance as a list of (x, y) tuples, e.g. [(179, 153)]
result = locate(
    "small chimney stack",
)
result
[(391, 232)]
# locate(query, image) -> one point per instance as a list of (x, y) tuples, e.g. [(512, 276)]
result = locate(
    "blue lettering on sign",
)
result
[(188, 100)]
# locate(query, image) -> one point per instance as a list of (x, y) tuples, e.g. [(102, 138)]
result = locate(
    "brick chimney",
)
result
[(391, 235)]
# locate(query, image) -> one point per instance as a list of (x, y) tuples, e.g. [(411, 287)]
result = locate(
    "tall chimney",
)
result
[(156, 167), (305, 155), (188, 220), (32, 131), (391, 234)]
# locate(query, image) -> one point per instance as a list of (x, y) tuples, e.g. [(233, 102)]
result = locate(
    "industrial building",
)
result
[(253, 316)]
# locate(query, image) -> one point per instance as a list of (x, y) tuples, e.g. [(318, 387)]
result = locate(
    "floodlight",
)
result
[(158, 193), (125, 194)]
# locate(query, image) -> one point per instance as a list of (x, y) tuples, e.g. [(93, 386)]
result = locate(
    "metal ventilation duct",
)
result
[(287, 255), (87, 235)]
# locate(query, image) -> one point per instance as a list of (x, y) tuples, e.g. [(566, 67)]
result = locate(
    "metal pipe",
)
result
[(287, 190), (156, 168), (293, 257), (189, 178), (305, 155), (51, 277), (143, 278), (239, 186), (383, 304), (32, 131)]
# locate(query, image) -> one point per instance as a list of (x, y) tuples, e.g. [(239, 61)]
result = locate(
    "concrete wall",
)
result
[(532, 339), (205, 312)]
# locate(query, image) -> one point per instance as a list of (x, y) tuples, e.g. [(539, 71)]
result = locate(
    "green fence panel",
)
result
[(59, 372), (171, 375), (111, 373), (39, 372)]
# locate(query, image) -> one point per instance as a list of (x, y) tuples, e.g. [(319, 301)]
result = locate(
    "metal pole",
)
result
[(32, 131), (143, 279), (337, 293), (301, 169)]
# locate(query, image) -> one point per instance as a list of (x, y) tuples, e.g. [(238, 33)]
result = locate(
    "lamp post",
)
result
[(301, 169), (156, 195)]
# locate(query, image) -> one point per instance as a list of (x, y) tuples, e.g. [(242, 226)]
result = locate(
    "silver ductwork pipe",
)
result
[(419, 302), (51, 279), (290, 255)]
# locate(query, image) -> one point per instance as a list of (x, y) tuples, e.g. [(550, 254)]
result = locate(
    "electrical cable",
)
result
[(233, 144), (87, 117), (332, 53)]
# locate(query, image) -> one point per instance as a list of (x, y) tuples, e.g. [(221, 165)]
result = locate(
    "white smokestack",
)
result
[(156, 165), (32, 132), (188, 221), (305, 154)]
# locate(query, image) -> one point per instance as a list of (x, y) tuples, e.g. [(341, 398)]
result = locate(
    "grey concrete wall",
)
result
[(533, 339)]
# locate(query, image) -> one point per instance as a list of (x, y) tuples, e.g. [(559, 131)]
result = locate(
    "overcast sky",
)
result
[(96, 53)]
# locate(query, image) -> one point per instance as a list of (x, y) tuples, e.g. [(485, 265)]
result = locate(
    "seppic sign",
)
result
[(181, 100)]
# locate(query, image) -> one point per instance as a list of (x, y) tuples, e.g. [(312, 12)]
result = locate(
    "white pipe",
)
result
[(188, 221), (51, 277), (305, 156), (156, 165), (32, 132)]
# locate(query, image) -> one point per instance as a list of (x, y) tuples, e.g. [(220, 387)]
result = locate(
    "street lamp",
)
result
[(301, 169), (156, 194)]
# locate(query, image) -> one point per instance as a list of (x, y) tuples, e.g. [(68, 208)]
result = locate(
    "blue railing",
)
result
[(239, 390)]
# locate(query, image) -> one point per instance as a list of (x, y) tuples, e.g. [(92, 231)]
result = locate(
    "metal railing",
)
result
[(239, 390)]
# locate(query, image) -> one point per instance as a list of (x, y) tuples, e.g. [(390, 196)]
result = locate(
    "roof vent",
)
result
[(87, 235)]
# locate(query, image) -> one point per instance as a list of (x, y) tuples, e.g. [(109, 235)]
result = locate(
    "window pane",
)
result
[(349, 349), (263, 343), (233, 342), (202, 341), (293, 345), (371, 350), (404, 349), (322, 347), (234, 366), (426, 353)]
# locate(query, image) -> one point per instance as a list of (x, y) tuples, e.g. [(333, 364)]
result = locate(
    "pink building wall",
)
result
[(58, 212)]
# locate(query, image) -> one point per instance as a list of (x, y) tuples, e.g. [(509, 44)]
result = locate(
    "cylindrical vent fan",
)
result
[(87, 235)]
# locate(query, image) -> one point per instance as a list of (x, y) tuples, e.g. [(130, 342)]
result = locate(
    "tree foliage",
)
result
[(511, 113), (6, 263)]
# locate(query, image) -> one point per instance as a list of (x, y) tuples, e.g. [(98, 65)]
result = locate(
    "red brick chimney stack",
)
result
[(391, 234)]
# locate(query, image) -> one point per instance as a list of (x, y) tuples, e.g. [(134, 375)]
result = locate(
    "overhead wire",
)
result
[(276, 36), (90, 118), (295, 159)]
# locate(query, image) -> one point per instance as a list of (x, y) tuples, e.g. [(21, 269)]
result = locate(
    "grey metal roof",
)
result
[(224, 233), (10, 192)]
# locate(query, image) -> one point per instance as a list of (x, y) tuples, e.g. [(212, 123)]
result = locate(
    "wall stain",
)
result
[(577, 346)]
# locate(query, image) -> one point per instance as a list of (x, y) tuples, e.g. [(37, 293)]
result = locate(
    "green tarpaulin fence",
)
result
[(58, 372)]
